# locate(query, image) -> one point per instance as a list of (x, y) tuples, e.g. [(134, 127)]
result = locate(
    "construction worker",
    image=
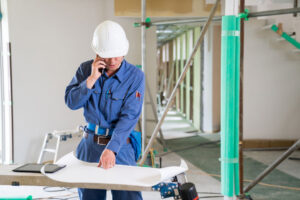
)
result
[(110, 90)]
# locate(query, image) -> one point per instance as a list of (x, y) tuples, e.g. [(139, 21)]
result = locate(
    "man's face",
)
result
[(113, 64)]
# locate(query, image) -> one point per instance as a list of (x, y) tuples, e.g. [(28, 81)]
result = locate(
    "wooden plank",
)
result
[(265, 143), (168, 8)]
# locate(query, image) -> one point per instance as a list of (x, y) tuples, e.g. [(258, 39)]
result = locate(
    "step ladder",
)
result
[(60, 136)]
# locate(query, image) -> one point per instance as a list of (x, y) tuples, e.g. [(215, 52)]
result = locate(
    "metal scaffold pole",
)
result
[(143, 47), (241, 156), (180, 79), (219, 18), (271, 167)]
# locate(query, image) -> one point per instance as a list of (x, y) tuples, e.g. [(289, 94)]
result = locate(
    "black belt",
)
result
[(101, 139)]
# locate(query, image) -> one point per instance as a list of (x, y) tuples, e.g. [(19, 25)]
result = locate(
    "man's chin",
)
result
[(112, 68)]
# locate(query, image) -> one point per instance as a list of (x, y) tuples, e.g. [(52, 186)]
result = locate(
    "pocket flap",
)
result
[(117, 95)]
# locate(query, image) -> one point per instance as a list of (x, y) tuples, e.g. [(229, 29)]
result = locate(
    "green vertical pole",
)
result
[(187, 77), (197, 83), (230, 62)]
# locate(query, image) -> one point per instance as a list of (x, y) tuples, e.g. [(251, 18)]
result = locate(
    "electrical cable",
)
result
[(294, 158), (266, 149), (209, 193), (58, 197), (54, 189), (71, 195), (275, 186), (207, 197)]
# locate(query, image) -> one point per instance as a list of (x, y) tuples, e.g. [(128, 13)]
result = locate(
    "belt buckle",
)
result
[(99, 140)]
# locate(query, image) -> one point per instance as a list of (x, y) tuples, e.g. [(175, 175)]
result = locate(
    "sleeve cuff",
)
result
[(84, 89), (113, 146)]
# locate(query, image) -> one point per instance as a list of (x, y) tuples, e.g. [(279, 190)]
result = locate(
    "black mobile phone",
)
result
[(101, 70)]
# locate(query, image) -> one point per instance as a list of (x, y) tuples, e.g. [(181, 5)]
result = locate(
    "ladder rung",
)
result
[(50, 150)]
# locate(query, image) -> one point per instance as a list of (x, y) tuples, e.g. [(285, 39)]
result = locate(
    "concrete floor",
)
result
[(175, 127), (291, 167)]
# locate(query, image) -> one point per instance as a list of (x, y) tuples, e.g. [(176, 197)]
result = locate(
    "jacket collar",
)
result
[(121, 72)]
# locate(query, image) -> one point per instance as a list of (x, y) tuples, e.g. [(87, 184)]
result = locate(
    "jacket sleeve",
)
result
[(129, 115), (77, 93)]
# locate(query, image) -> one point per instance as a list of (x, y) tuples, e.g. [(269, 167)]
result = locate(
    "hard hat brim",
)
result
[(111, 54)]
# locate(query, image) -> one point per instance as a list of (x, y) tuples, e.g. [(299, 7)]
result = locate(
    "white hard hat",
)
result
[(110, 40)]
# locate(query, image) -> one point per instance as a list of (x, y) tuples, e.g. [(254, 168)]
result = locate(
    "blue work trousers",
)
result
[(89, 151)]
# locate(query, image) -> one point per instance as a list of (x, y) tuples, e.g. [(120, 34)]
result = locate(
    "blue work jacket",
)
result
[(113, 102)]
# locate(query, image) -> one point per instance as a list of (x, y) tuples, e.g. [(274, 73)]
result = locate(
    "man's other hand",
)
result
[(107, 159)]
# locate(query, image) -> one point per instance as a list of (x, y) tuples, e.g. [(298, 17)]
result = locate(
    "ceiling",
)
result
[(166, 33)]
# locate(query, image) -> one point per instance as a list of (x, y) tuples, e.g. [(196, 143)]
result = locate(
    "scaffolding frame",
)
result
[(180, 79), (219, 18), (208, 20)]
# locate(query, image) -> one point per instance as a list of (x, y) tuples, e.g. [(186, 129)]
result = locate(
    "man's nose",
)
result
[(111, 61)]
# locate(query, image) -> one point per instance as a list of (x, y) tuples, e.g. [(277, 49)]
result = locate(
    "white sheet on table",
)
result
[(77, 171)]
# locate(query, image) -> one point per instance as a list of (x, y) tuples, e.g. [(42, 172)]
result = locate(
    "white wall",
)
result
[(216, 84), (207, 122), (50, 38), (271, 85), (211, 80)]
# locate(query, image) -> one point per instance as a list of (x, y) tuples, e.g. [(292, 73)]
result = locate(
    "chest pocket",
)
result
[(116, 96), (116, 102)]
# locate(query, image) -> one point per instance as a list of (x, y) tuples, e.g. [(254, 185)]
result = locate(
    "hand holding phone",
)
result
[(101, 70), (98, 67)]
